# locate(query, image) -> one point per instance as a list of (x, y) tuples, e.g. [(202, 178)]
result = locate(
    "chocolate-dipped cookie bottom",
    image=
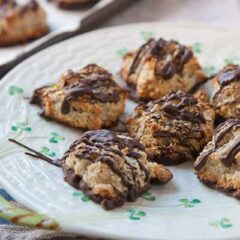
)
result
[(110, 168)]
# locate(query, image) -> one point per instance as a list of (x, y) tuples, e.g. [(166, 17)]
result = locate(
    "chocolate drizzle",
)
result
[(6, 6), (171, 57), (232, 152), (227, 96), (36, 154), (229, 74), (103, 140), (142, 54), (32, 5), (218, 135), (10, 5), (92, 82), (177, 105), (90, 87), (7, 2), (103, 146), (178, 123)]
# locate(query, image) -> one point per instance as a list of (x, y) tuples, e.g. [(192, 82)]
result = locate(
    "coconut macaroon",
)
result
[(73, 4), (21, 23), (174, 128), (226, 100), (160, 66), (110, 168), (218, 165), (88, 99)]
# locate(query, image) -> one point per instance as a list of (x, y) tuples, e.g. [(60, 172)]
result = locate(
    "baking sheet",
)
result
[(62, 25)]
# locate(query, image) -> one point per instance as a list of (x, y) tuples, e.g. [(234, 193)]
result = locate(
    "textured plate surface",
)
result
[(182, 209)]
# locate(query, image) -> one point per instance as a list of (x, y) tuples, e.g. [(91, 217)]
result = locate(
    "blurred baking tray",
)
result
[(63, 24)]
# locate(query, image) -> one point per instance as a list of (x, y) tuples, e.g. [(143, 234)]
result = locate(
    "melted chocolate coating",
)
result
[(102, 140), (218, 135), (173, 62)]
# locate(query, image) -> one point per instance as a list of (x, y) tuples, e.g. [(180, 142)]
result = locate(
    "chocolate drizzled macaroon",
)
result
[(73, 4), (218, 165), (226, 100), (174, 128), (20, 23), (160, 66), (110, 168), (88, 99)]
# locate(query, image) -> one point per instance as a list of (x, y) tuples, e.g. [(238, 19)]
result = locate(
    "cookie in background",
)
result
[(21, 23)]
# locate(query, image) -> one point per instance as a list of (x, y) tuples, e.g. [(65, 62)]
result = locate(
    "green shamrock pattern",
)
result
[(209, 70), (122, 52), (222, 223), (55, 137), (21, 126), (46, 151), (149, 197), (146, 35), (81, 195), (189, 203), (135, 214), (197, 47), (14, 90), (232, 60)]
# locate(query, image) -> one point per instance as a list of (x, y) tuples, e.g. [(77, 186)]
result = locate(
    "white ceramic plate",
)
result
[(182, 209)]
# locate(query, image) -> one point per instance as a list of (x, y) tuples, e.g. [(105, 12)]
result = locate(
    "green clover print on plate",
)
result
[(122, 52), (149, 197), (55, 137), (82, 196), (47, 151), (135, 214), (13, 90), (146, 35), (197, 47), (209, 70), (223, 223), (21, 126), (189, 203), (233, 60)]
